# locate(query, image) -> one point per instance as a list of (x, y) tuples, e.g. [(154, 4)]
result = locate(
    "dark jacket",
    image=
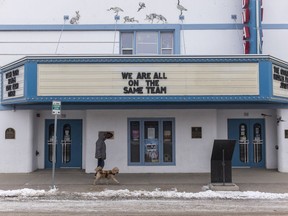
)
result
[(101, 147)]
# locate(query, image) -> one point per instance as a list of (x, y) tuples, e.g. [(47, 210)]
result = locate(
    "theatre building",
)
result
[(166, 86)]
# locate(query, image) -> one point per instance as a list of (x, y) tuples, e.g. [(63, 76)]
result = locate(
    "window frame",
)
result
[(142, 142), (127, 48), (162, 48), (159, 42)]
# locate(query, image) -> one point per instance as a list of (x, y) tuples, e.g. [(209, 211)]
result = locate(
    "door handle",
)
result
[(65, 145)]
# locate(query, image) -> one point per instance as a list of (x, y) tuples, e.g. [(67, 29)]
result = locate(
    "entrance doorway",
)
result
[(250, 142), (68, 143)]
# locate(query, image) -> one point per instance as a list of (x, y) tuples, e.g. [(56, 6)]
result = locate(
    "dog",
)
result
[(107, 174)]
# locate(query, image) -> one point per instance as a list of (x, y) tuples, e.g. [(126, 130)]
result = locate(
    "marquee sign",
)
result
[(156, 79), (280, 81), (13, 83)]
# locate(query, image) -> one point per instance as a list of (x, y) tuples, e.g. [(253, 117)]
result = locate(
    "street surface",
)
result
[(126, 207)]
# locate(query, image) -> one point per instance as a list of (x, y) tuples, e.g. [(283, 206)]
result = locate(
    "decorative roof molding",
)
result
[(144, 59)]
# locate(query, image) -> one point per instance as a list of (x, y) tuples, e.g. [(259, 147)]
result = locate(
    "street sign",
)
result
[(56, 110), (56, 107)]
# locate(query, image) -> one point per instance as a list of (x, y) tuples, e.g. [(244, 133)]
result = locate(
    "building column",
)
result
[(282, 122)]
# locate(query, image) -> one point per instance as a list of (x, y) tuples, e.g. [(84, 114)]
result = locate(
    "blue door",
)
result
[(68, 143), (250, 142)]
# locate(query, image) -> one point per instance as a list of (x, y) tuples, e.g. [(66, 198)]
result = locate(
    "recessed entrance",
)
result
[(250, 142), (68, 143)]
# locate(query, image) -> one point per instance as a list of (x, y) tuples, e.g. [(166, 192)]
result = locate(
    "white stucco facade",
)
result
[(191, 155), (202, 34), (209, 28)]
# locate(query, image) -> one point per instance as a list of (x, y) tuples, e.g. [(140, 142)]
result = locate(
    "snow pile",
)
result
[(26, 192), (142, 194), (185, 195)]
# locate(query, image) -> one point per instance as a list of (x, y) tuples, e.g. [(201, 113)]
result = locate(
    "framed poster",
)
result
[(196, 132), (151, 133), (151, 151), (286, 134), (10, 133)]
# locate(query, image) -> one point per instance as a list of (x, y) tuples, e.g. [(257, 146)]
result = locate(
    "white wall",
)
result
[(211, 42), (274, 43), (34, 12), (194, 42), (17, 154), (275, 11), (95, 12), (282, 141), (191, 155), (46, 43)]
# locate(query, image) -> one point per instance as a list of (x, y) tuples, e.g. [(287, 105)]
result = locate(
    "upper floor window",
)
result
[(147, 43), (127, 41)]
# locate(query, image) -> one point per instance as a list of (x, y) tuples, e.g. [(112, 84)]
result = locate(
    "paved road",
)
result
[(9, 207), (72, 181)]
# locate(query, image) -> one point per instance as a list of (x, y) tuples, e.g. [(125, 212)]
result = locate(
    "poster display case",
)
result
[(151, 141)]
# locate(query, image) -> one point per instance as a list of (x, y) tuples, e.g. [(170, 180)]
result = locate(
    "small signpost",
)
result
[(56, 110)]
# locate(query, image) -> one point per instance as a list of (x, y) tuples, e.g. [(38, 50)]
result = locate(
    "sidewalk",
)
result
[(78, 181)]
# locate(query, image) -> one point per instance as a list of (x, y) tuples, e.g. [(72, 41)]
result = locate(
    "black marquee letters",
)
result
[(281, 75), (12, 86), (150, 80)]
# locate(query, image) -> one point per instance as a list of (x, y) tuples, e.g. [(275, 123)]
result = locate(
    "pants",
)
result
[(101, 162)]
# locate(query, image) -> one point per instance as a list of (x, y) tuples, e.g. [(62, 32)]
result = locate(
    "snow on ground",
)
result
[(26, 192), (138, 194)]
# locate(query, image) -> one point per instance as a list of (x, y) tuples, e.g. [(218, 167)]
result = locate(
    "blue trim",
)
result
[(142, 99), (3, 108), (132, 27), (274, 26), (145, 59), (121, 27), (260, 37), (31, 80), (177, 35), (265, 79), (134, 43), (223, 26), (253, 27), (159, 42), (155, 105)]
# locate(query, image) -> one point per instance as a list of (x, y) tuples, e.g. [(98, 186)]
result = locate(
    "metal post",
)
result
[(54, 153), (223, 165)]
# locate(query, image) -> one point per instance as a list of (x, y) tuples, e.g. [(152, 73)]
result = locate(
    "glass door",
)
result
[(68, 143), (250, 142), (151, 142)]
